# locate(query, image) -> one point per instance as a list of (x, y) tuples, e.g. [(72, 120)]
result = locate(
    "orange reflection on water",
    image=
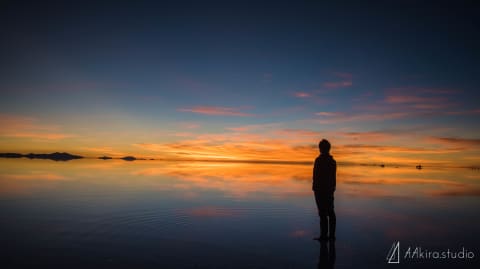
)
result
[(236, 180)]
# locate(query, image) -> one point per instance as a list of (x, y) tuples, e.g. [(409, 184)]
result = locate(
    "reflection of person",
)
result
[(327, 256), (324, 184)]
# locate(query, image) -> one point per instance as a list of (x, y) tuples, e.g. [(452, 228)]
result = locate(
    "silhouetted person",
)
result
[(324, 184), (327, 256)]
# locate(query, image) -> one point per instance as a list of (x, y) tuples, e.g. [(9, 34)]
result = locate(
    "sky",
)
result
[(395, 82)]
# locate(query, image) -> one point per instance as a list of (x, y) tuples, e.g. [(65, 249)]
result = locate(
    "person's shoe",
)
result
[(321, 238)]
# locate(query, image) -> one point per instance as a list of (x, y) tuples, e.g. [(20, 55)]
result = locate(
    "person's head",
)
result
[(324, 146)]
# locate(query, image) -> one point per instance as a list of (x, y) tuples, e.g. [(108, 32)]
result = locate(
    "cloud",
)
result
[(454, 141), (346, 81), (464, 112), (397, 149), (297, 132), (337, 84), (302, 94), (418, 102), (35, 176), (46, 136), (189, 125), (372, 136), (254, 127), (330, 114), (217, 111), (28, 127), (104, 150), (239, 128), (420, 98), (339, 117)]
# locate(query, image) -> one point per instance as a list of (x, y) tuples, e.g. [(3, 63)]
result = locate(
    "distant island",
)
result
[(64, 156), (57, 156)]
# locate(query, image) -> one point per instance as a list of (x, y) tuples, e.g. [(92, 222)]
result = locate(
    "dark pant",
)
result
[(326, 213)]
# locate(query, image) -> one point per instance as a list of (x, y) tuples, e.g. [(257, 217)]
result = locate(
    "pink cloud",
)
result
[(419, 102), (217, 111), (302, 94), (346, 81), (464, 112), (344, 75), (420, 99), (330, 114), (422, 90), (338, 117), (338, 84)]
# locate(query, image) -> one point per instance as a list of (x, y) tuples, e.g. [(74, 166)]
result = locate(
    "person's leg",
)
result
[(332, 222), (322, 213), (332, 218), (323, 226), (318, 201)]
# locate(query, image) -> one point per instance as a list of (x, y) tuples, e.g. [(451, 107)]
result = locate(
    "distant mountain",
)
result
[(129, 158), (105, 158), (11, 155), (57, 156)]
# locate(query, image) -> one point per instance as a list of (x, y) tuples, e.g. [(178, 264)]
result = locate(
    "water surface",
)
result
[(154, 214)]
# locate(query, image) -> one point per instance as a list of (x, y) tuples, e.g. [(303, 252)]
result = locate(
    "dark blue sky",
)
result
[(221, 64)]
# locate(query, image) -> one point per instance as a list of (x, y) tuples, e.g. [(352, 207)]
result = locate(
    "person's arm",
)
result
[(335, 176), (315, 172)]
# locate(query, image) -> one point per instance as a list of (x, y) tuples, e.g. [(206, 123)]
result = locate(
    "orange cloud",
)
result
[(254, 127), (27, 127), (454, 141), (189, 125), (216, 110), (372, 136), (271, 143), (34, 176), (104, 150)]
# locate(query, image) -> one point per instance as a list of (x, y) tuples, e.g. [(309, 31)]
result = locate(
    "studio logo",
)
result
[(413, 253), (393, 255)]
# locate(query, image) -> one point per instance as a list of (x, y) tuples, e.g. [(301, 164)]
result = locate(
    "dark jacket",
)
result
[(324, 174)]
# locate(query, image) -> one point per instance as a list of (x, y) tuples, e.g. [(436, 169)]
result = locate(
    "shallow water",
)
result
[(154, 214)]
